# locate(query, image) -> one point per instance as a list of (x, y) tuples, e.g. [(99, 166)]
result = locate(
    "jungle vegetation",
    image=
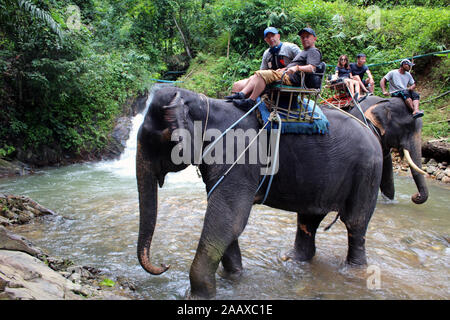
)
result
[(68, 66)]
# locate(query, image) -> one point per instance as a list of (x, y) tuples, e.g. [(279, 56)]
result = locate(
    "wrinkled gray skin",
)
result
[(339, 171), (398, 130)]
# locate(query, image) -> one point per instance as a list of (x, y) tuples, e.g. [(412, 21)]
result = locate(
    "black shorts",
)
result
[(406, 94)]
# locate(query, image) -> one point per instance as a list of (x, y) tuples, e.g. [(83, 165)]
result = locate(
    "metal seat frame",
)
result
[(299, 115)]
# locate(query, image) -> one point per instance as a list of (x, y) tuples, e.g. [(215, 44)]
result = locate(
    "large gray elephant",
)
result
[(397, 129), (338, 171)]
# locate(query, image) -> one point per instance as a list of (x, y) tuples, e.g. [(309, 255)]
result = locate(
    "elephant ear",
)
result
[(174, 115), (379, 115)]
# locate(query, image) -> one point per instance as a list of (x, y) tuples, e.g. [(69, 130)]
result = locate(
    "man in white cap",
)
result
[(402, 85), (277, 56)]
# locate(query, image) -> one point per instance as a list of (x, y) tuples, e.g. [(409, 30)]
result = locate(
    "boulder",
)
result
[(11, 241)]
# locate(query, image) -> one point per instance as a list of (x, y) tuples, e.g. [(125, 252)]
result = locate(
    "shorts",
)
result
[(270, 76), (406, 94)]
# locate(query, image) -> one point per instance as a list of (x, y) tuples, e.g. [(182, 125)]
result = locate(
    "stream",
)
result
[(407, 245)]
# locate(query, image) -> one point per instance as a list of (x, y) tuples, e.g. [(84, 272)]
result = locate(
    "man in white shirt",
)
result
[(402, 85)]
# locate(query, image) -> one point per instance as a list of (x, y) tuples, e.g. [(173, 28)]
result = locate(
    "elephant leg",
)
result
[(356, 217), (305, 246), (356, 244), (387, 179), (232, 261), (226, 217)]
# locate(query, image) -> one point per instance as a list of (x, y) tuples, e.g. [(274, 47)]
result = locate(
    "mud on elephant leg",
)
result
[(223, 224), (232, 261), (305, 247)]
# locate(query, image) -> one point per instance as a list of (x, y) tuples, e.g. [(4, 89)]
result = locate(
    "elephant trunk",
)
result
[(148, 209), (414, 158)]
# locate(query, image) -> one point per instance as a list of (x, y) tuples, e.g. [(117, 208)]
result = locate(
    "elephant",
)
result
[(396, 129), (337, 171)]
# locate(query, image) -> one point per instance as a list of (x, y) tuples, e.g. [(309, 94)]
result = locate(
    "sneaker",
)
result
[(418, 114), (238, 95), (244, 104)]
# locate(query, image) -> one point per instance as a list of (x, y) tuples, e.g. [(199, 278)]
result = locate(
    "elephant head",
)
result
[(153, 162), (399, 130)]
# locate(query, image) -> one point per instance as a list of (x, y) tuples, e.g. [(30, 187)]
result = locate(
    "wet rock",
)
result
[(118, 138), (446, 179), (440, 175), (11, 241), (13, 168), (431, 169), (23, 276), (29, 278), (20, 209)]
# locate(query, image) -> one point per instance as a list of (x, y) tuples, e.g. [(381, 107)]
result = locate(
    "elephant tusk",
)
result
[(411, 163)]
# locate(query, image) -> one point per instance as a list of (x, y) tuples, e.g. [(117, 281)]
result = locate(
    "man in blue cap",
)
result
[(306, 61), (277, 56), (402, 85)]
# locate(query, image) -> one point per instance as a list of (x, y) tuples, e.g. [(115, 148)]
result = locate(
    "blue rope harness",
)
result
[(261, 130)]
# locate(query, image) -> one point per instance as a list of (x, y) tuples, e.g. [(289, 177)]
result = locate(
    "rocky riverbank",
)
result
[(28, 272), (439, 171)]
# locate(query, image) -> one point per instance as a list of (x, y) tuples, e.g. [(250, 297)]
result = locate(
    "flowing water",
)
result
[(97, 225)]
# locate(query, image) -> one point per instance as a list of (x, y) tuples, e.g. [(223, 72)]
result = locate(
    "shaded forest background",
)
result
[(68, 66)]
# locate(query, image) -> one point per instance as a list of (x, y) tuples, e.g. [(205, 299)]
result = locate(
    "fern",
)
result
[(42, 15)]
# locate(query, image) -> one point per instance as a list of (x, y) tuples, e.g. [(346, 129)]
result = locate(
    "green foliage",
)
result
[(107, 283), (67, 92), (64, 94)]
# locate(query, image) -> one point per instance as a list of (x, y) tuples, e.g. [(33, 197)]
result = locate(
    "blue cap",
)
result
[(309, 30), (270, 30)]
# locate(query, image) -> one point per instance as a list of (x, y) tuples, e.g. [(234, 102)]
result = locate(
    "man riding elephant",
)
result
[(402, 85), (306, 61), (277, 56)]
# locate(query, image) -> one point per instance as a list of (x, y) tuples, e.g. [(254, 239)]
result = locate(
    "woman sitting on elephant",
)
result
[(344, 72)]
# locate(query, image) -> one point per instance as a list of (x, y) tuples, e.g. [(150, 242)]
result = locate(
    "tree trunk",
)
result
[(182, 37), (439, 150)]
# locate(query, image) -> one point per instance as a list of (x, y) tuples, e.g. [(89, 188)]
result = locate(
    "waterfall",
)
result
[(125, 166)]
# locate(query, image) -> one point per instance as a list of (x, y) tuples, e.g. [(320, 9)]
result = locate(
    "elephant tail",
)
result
[(332, 223)]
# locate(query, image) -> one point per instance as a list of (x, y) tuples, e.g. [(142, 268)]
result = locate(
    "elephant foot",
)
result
[(358, 263), (232, 275), (189, 295), (296, 255), (357, 259)]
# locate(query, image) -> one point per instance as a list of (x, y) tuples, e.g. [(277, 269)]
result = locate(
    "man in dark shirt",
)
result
[(359, 69), (306, 61)]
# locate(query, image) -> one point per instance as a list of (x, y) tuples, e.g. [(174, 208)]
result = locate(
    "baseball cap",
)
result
[(309, 30), (407, 62), (270, 30)]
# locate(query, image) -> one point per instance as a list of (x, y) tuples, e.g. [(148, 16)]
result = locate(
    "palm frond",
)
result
[(42, 15)]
